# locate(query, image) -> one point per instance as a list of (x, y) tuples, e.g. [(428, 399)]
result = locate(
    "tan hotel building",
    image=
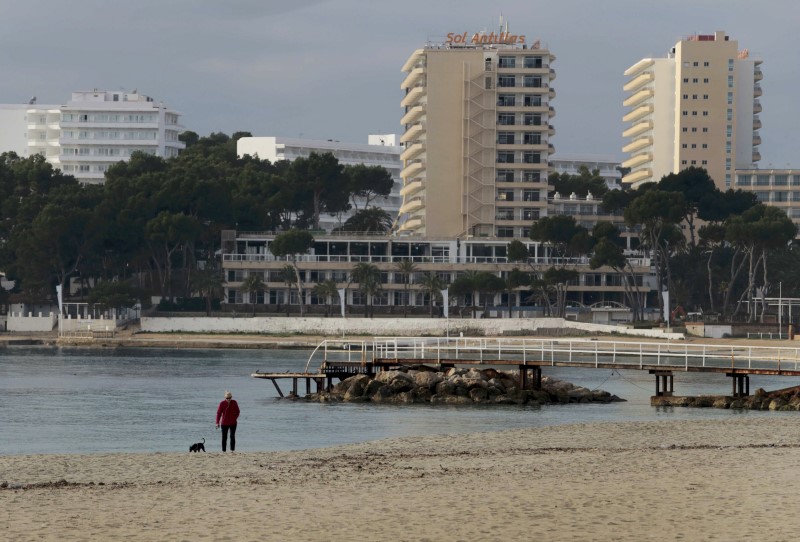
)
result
[(696, 107), (476, 141)]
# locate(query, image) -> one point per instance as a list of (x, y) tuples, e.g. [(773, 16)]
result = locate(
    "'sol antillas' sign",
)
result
[(479, 38)]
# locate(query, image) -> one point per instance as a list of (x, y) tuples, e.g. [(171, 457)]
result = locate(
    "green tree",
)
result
[(369, 220), (328, 291), (406, 269), (608, 252), (166, 234), (368, 277), (208, 282), (112, 294), (322, 179), (432, 285), (367, 183), (516, 251), (515, 279), (291, 244), (251, 285)]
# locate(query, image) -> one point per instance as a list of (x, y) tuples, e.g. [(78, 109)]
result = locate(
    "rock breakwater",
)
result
[(781, 400), (456, 386)]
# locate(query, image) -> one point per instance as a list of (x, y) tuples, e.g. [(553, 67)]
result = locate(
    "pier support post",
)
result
[(740, 384), (665, 384), (533, 381)]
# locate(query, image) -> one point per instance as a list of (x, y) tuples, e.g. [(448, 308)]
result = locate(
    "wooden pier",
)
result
[(340, 359)]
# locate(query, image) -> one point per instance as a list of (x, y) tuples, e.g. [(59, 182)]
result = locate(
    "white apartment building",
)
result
[(92, 131), (608, 167), (696, 107), (477, 120), (380, 150)]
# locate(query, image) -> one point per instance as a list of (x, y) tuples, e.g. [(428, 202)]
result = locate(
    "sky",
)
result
[(330, 69)]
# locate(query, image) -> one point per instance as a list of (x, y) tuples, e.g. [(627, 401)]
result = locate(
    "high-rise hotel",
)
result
[(696, 107), (476, 141)]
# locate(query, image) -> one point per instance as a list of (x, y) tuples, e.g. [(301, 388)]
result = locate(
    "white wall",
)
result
[(336, 327), (31, 322)]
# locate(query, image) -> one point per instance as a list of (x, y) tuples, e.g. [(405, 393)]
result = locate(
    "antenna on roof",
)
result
[(32, 100)]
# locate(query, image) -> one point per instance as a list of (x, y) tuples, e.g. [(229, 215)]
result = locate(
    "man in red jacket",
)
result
[(227, 414)]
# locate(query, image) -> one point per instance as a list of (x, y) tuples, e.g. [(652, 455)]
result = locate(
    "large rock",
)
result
[(356, 385), (427, 380), (450, 400), (478, 395)]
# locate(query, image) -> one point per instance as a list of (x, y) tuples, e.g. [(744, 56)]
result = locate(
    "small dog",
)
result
[(198, 446)]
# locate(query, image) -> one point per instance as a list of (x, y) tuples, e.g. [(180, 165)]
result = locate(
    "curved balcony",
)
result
[(413, 114), (758, 75), (637, 176), (412, 169), (757, 107), (551, 112), (757, 91), (637, 160), (413, 204), (412, 78), (638, 128), (416, 57), (412, 151), (638, 144), (638, 113), (756, 139), (413, 96), (756, 123), (413, 133), (412, 224), (412, 187), (638, 81), (638, 97), (756, 156), (639, 67)]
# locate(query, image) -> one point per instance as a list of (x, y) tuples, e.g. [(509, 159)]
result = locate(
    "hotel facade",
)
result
[(698, 106), (92, 131), (477, 128)]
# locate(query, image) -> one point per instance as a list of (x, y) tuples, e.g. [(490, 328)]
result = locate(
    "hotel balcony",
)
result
[(758, 75), (413, 133), (638, 144), (638, 113), (412, 169), (411, 205), (413, 96), (638, 82), (638, 128), (757, 91), (639, 97), (416, 58), (412, 151), (637, 160), (756, 140), (639, 67), (637, 176), (756, 156), (756, 123), (412, 224), (412, 187), (412, 78), (757, 107), (413, 114)]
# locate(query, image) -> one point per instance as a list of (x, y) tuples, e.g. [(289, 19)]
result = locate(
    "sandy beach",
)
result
[(690, 480)]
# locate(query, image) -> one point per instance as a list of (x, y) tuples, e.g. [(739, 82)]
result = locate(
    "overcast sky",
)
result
[(331, 69)]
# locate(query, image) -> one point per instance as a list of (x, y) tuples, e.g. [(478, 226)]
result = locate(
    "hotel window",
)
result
[(781, 180), (532, 138), (762, 180), (705, 96), (694, 162), (507, 62), (587, 210), (684, 145), (532, 100), (694, 129), (685, 113), (705, 64), (531, 176), (505, 195), (730, 64), (705, 113), (685, 96), (507, 81), (532, 81), (762, 196), (505, 119), (694, 96), (505, 176), (531, 158), (694, 80), (705, 145), (730, 81), (705, 130), (685, 79), (730, 98), (694, 113), (695, 64), (685, 129), (694, 145), (530, 195), (505, 232), (730, 114), (683, 162), (705, 80), (530, 213), (532, 119), (506, 100), (780, 196), (504, 213), (505, 138), (704, 162), (533, 62), (743, 180), (505, 157)]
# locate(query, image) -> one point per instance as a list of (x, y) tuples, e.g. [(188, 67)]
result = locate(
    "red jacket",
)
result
[(227, 412)]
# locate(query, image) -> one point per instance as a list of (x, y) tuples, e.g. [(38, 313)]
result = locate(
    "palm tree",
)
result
[(209, 283), (327, 289), (488, 284), (290, 278), (514, 280), (253, 284), (432, 284), (368, 277), (406, 269)]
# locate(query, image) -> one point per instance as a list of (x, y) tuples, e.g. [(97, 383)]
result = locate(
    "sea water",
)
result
[(76, 400)]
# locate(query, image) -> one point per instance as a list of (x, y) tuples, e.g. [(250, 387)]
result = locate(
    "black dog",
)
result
[(198, 446)]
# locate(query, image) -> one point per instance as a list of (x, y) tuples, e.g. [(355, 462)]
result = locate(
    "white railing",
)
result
[(577, 352)]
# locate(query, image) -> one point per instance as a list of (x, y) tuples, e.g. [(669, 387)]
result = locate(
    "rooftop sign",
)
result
[(482, 38)]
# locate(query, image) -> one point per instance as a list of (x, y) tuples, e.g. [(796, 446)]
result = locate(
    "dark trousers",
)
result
[(232, 429)]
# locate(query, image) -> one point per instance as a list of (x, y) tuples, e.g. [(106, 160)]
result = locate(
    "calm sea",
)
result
[(72, 400)]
